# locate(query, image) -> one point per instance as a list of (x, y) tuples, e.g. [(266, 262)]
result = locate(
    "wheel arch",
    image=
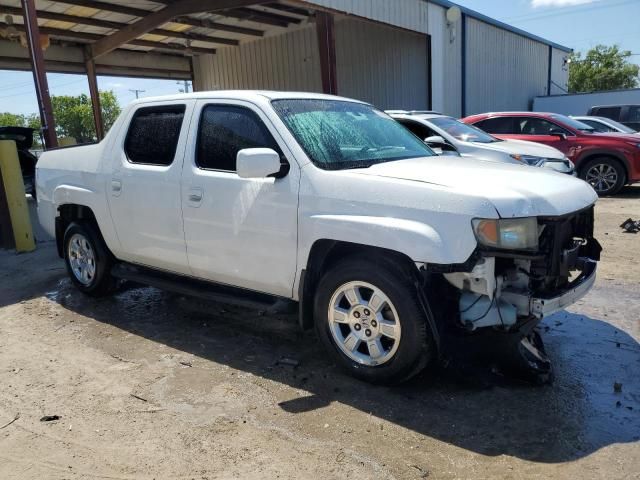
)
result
[(327, 252), (68, 213), (593, 154)]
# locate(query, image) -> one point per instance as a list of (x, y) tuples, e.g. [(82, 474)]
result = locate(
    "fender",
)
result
[(416, 240), (66, 194), (594, 152)]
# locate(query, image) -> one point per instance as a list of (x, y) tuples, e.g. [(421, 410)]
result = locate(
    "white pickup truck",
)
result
[(259, 197)]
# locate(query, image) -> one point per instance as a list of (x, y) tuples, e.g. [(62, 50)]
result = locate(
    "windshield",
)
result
[(462, 131), (573, 123), (338, 134)]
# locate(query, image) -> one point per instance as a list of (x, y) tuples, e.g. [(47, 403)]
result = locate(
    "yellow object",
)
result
[(66, 141), (16, 199)]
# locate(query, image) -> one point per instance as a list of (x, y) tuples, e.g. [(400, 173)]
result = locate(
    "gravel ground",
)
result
[(149, 384)]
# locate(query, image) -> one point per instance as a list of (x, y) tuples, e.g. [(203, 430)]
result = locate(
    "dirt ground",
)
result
[(149, 384)]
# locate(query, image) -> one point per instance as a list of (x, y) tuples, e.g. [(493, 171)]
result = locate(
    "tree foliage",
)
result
[(602, 68), (73, 116)]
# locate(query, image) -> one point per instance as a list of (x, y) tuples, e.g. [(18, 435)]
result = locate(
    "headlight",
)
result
[(507, 233), (528, 159)]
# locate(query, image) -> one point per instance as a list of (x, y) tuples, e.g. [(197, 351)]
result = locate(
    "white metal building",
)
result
[(399, 54), (396, 54)]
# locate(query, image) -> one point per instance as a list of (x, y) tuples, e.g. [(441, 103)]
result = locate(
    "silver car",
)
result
[(446, 134)]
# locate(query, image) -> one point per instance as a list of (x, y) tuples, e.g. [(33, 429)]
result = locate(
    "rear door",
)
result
[(239, 231), (532, 129), (143, 189)]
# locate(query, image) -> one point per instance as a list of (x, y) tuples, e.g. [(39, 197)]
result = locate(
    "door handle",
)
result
[(195, 196), (116, 187)]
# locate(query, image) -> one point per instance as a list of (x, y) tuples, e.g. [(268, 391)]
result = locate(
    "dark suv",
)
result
[(606, 161), (628, 115)]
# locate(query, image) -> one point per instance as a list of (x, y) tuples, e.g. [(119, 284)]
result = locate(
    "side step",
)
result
[(203, 289)]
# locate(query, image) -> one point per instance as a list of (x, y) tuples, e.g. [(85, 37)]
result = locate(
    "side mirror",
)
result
[(558, 133), (257, 162), (436, 140)]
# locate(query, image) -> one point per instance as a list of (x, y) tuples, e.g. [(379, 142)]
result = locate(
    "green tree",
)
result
[(8, 119), (73, 115), (602, 68)]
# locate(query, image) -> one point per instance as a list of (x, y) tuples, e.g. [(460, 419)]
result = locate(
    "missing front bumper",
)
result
[(543, 307)]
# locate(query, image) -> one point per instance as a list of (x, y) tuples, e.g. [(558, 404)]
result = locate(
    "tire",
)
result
[(88, 259), (389, 287), (606, 175)]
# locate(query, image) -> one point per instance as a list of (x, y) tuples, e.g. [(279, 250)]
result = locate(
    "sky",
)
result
[(578, 24)]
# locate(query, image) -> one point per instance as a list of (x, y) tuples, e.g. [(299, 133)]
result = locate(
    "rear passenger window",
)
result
[(498, 125), (226, 129), (153, 135)]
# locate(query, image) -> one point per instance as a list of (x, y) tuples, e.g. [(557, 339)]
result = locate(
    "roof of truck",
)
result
[(244, 95)]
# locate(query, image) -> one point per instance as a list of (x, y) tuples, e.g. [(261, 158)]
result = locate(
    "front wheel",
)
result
[(605, 175), (369, 317)]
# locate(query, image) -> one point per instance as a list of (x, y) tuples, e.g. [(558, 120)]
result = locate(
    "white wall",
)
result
[(283, 62), (382, 65), (446, 62), (580, 103), (504, 70), (559, 72), (408, 14)]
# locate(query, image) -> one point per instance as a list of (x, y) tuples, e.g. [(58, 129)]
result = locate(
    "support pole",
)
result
[(16, 198), (39, 73), (327, 47), (95, 95)]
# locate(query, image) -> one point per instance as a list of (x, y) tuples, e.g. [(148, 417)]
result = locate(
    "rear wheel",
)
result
[(88, 260), (369, 317), (605, 175)]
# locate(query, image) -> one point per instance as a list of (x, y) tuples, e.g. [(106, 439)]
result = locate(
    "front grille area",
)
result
[(562, 241)]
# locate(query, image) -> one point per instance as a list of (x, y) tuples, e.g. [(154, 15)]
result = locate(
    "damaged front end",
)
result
[(508, 291)]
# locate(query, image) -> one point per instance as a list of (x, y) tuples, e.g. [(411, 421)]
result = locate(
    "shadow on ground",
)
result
[(577, 415)]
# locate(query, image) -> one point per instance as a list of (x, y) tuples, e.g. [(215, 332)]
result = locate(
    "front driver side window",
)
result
[(226, 129), (419, 130)]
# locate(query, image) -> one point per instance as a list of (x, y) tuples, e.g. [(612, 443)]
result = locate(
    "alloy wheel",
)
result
[(364, 323)]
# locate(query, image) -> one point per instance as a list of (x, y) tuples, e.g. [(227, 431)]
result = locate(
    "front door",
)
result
[(238, 231), (144, 186)]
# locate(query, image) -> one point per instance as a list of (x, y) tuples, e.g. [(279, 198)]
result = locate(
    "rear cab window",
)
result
[(610, 112), (153, 134)]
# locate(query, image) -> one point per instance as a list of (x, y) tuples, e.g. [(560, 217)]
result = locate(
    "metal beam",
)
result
[(108, 24), (39, 73), (153, 20), (93, 37), (252, 14), (288, 9), (139, 12), (95, 95), (327, 48)]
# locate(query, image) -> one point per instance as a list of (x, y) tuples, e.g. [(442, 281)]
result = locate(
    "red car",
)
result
[(607, 161)]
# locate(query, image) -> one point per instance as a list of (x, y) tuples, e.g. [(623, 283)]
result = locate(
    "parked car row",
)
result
[(607, 161)]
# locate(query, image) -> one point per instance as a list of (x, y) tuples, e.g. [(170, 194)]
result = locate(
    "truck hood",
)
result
[(522, 147), (514, 190)]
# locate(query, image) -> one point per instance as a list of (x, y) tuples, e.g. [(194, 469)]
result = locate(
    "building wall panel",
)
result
[(504, 70), (409, 14), (559, 72), (283, 62), (382, 65)]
